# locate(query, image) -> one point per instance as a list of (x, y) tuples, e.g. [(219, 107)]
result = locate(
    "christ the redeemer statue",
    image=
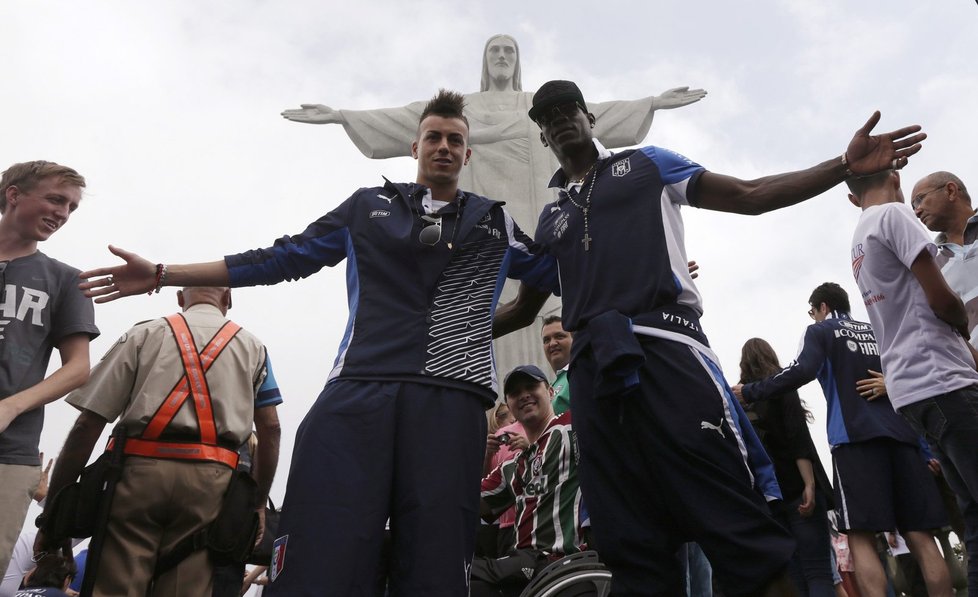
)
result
[(509, 162)]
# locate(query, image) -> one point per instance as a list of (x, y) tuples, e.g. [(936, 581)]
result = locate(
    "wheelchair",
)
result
[(576, 575)]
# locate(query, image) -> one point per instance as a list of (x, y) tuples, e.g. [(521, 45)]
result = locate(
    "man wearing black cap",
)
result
[(649, 400), (541, 481)]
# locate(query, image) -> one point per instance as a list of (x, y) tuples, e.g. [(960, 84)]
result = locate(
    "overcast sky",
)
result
[(171, 111)]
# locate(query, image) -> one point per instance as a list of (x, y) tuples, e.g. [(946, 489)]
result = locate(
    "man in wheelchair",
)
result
[(542, 482)]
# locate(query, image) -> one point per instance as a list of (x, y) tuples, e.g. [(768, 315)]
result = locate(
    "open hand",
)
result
[(868, 154), (677, 97), (135, 276), (313, 114)]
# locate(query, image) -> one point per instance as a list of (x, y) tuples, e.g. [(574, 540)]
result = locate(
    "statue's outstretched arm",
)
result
[(627, 122), (314, 114), (378, 134), (677, 97)]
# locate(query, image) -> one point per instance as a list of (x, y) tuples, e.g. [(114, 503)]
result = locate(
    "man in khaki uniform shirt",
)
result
[(159, 501)]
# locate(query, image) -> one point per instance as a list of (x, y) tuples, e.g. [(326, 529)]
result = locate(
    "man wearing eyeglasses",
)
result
[(943, 204), (41, 309), (649, 399), (881, 478), (425, 264), (923, 329)]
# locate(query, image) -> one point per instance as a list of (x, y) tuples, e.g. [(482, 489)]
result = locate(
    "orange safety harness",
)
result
[(193, 382)]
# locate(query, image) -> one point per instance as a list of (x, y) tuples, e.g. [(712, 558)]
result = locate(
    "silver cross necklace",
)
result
[(586, 239)]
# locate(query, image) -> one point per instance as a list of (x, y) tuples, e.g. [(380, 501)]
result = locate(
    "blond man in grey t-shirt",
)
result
[(41, 309)]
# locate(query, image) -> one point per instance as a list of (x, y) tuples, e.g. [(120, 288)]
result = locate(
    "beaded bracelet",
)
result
[(160, 278)]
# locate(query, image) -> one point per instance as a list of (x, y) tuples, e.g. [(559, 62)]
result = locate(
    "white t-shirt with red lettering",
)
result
[(922, 356)]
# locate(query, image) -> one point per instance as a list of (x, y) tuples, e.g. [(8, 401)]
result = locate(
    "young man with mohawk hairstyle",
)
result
[(399, 431)]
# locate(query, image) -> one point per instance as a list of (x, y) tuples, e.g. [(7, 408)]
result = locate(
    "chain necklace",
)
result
[(584, 176), (586, 239)]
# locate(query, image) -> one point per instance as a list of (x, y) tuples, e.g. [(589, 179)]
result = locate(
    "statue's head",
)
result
[(501, 61)]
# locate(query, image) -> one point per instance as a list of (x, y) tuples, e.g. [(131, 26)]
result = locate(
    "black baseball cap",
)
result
[(513, 377), (554, 93)]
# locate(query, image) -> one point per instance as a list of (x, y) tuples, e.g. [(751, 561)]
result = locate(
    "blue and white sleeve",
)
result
[(529, 261), (679, 174), (802, 370), (325, 242), (268, 393)]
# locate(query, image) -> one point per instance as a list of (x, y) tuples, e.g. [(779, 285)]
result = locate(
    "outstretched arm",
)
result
[(138, 275), (627, 122), (378, 134), (677, 97), (802, 370), (866, 154), (314, 114)]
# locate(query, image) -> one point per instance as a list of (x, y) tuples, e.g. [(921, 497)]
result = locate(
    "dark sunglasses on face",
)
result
[(568, 110)]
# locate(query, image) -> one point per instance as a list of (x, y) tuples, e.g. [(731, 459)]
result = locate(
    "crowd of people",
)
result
[(676, 479)]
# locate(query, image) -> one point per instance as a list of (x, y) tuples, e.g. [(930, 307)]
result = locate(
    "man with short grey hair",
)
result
[(942, 202), (41, 309)]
